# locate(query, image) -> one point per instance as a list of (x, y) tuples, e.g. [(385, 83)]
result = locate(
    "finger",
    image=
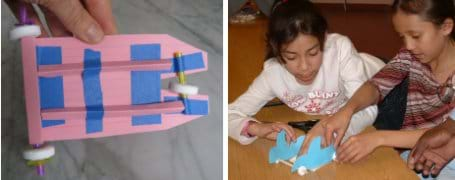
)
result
[(345, 145), (349, 155), (438, 161), (288, 139), (421, 162), (306, 144), (76, 19), (101, 11), (289, 131), (323, 142), (436, 169), (419, 166), (418, 150), (328, 133), (276, 128), (427, 167), (271, 135), (338, 138), (346, 152), (294, 137), (411, 160), (55, 25)]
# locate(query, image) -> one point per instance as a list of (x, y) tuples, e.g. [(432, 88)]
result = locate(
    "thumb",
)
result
[(75, 18)]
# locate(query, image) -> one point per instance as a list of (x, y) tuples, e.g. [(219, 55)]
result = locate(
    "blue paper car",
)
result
[(312, 160)]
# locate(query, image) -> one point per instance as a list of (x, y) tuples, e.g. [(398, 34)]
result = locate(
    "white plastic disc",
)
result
[(334, 157), (39, 153), (23, 31), (302, 171), (183, 88)]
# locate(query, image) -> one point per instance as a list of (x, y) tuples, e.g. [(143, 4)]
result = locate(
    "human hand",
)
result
[(271, 130), (434, 160), (315, 131), (357, 147), (432, 139), (88, 20), (335, 126), (337, 123)]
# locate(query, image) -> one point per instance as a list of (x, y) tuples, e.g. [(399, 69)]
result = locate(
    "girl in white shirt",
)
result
[(308, 69)]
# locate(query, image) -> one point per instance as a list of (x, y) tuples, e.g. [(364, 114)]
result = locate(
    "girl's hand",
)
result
[(357, 147), (271, 130), (336, 124), (316, 131)]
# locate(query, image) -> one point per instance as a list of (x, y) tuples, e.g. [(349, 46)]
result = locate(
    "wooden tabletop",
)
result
[(246, 57), (251, 161)]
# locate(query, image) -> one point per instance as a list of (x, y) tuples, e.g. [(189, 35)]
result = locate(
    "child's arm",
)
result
[(353, 77), (365, 96), (247, 105), (371, 92), (400, 139), (359, 146)]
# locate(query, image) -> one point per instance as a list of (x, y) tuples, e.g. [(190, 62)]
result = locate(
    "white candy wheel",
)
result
[(183, 88), (23, 31), (39, 153), (277, 161), (302, 171), (334, 157)]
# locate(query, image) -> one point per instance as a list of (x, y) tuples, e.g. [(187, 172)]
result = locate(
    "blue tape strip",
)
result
[(186, 103), (46, 55), (197, 107), (145, 51), (190, 62), (92, 91), (284, 151), (171, 98), (49, 123), (94, 119), (145, 87), (51, 92), (315, 157), (146, 120), (192, 106), (178, 64)]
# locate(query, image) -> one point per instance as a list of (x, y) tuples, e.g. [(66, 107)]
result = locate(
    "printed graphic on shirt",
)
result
[(315, 102)]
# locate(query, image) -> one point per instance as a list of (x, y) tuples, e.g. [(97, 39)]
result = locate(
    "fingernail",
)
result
[(94, 34)]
